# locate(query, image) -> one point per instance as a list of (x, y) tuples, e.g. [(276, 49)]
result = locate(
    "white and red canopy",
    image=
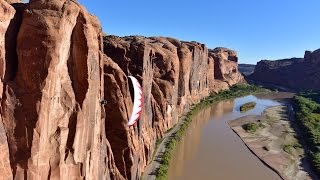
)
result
[(137, 103)]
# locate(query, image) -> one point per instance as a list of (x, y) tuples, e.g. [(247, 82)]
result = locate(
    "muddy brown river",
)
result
[(210, 150)]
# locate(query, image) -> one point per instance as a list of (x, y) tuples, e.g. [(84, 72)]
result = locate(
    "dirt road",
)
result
[(151, 169)]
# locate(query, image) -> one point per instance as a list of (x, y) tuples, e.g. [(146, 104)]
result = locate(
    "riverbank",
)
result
[(158, 168), (307, 111), (273, 141)]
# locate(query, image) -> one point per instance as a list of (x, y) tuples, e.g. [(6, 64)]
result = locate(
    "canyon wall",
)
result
[(174, 75), (296, 73), (56, 67), (52, 122)]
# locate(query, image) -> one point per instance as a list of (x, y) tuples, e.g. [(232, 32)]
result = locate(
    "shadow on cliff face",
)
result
[(77, 64), (22, 130), (11, 42), (117, 111)]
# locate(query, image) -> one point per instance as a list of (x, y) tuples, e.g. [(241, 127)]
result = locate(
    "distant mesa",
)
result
[(295, 73)]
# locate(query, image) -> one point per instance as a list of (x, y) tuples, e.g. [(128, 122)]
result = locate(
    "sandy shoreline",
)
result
[(274, 143), (253, 152)]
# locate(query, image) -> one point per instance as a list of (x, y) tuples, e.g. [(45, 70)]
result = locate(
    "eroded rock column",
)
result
[(6, 14)]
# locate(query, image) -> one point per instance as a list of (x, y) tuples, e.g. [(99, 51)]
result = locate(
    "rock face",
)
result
[(174, 75), (6, 14), (56, 67), (225, 65), (295, 73), (52, 124)]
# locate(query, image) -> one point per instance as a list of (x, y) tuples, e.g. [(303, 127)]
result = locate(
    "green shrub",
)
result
[(247, 106), (253, 127), (289, 147)]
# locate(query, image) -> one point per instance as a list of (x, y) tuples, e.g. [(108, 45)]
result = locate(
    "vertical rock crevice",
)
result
[(77, 64), (119, 101), (11, 42)]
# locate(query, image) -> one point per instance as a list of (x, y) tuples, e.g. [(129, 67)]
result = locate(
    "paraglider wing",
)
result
[(137, 103)]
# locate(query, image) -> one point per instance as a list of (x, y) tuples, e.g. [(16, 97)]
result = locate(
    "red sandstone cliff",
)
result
[(296, 73), (52, 124), (55, 67), (174, 75)]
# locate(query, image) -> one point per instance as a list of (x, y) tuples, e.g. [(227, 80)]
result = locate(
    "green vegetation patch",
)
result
[(307, 111), (233, 92), (253, 127), (247, 106), (289, 148)]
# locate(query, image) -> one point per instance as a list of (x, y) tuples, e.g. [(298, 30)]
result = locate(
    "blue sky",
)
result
[(257, 29)]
